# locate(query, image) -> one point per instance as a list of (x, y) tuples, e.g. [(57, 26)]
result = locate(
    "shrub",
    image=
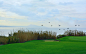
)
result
[(63, 35), (22, 36), (34, 35), (60, 36), (3, 40), (12, 39), (74, 33)]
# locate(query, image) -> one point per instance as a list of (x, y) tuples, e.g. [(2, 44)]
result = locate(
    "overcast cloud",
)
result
[(37, 12)]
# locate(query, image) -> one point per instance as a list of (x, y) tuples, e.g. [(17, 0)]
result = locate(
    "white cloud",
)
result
[(8, 14), (73, 10), (41, 13), (15, 2), (72, 13), (13, 23), (58, 1), (2, 21), (76, 10)]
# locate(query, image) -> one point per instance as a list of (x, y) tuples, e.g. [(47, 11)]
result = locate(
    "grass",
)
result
[(73, 39), (67, 45)]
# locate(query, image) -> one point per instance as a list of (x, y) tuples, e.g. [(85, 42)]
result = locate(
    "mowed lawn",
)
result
[(67, 45)]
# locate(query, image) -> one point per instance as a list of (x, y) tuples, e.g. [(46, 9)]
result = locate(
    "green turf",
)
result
[(67, 45), (74, 39)]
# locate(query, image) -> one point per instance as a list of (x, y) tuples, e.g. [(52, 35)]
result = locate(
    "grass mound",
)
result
[(73, 39)]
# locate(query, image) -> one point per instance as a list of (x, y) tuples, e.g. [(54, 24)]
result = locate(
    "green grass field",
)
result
[(67, 45)]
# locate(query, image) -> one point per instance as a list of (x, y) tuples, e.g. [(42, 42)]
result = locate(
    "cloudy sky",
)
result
[(67, 13)]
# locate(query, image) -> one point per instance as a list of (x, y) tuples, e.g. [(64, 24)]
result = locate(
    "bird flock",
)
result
[(60, 25)]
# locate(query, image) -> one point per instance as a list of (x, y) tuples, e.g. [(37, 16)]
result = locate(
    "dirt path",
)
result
[(51, 41)]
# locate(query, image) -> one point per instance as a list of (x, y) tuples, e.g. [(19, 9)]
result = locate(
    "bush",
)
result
[(34, 35), (12, 39), (74, 33), (22, 36), (60, 36), (63, 35), (3, 40)]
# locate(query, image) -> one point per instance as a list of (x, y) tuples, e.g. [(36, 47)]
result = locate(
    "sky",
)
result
[(66, 13)]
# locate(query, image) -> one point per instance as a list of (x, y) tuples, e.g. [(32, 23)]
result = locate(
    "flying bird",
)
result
[(49, 22), (41, 25), (59, 25), (75, 25), (67, 28), (78, 25)]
